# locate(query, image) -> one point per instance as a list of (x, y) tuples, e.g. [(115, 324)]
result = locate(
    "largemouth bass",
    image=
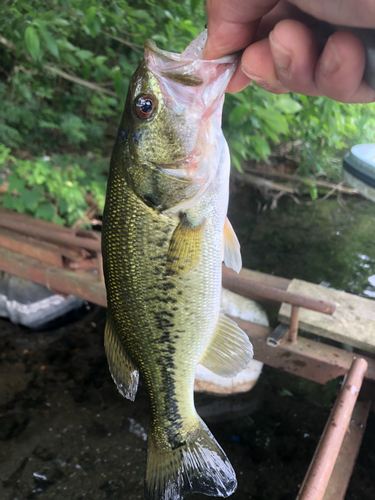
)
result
[(165, 235)]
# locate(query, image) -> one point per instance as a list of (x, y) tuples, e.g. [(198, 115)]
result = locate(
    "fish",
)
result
[(165, 234)]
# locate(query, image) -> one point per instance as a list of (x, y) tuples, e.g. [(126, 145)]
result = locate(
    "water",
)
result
[(66, 433), (325, 242)]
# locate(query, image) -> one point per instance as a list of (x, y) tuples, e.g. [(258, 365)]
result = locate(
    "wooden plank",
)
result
[(353, 321), (309, 359), (8, 215), (239, 283), (45, 252), (87, 285), (45, 233), (266, 279), (339, 481)]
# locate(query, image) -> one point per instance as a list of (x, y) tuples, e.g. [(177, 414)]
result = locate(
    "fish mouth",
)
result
[(187, 68), (179, 168), (185, 167)]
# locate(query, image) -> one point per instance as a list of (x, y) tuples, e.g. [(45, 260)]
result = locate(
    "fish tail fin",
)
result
[(198, 465)]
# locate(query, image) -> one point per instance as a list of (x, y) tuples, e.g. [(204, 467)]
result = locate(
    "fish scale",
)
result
[(163, 229)]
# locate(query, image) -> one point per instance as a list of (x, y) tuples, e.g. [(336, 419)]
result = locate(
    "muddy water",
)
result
[(66, 433)]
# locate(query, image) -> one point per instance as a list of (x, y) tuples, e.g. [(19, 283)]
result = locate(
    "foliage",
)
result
[(326, 128), (65, 70), (54, 189), (90, 41), (254, 119), (317, 129)]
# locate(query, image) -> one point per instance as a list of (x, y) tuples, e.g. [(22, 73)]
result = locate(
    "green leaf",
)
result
[(50, 43), (59, 21), (271, 134), (18, 204), (260, 146), (7, 202), (100, 60), (90, 14), (285, 392), (275, 120), (15, 183), (84, 54), (86, 71), (63, 206), (238, 113), (4, 154), (70, 59), (31, 198), (194, 4), (65, 45), (237, 163), (32, 43), (314, 193), (288, 105), (45, 211)]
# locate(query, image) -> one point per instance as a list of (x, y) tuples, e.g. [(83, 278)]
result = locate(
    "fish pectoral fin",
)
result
[(230, 349), (123, 370), (232, 254), (185, 248)]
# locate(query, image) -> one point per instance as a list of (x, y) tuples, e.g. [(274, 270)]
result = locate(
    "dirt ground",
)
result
[(65, 432)]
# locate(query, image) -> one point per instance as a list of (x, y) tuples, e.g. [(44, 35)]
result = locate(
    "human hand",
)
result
[(283, 49)]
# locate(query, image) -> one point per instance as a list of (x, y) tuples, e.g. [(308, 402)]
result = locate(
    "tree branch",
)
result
[(305, 180), (63, 74), (80, 81), (134, 46), (7, 43)]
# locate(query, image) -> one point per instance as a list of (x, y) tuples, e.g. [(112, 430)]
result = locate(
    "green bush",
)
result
[(64, 75), (53, 188)]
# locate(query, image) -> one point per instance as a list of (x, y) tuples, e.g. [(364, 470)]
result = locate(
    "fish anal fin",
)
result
[(229, 351), (185, 248), (232, 252), (198, 465), (123, 370)]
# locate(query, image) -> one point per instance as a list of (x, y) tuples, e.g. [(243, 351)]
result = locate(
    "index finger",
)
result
[(231, 24)]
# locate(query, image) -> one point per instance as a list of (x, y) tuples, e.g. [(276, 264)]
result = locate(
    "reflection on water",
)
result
[(324, 242)]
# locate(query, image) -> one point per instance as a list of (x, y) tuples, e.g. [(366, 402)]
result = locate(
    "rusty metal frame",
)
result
[(306, 358), (321, 467), (342, 471), (63, 281)]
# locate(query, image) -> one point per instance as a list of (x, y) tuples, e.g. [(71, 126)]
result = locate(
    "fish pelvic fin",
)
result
[(229, 351), (198, 465), (232, 253), (185, 248), (123, 370)]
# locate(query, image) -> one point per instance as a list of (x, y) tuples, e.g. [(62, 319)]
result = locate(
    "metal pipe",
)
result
[(293, 328), (322, 464), (52, 236), (254, 290)]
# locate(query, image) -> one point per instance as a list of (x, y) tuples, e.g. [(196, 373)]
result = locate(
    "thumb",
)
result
[(232, 24)]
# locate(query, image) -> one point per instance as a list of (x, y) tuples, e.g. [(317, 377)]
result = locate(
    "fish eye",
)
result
[(144, 106)]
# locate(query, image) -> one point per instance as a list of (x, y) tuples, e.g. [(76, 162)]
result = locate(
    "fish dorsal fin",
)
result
[(185, 248), (232, 253), (124, 372), (230, 349)]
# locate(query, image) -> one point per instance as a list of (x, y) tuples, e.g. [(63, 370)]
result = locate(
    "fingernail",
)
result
[(259, 81), (331, 60), (282, 57)]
